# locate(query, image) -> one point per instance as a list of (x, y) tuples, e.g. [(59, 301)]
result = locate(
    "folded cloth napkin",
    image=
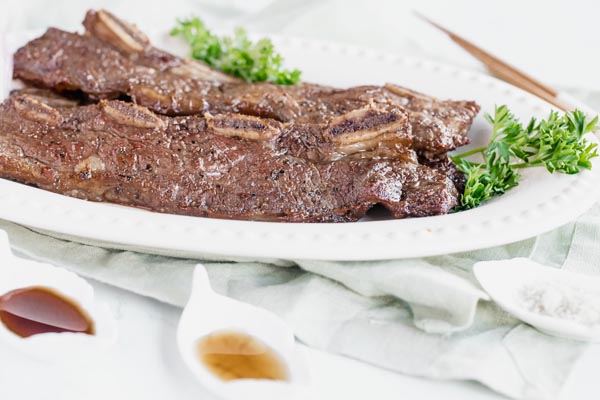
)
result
[(425, 317)]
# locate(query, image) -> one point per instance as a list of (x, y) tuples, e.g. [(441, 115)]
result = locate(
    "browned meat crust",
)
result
[(102, 70), (191, 140), (123, 153)]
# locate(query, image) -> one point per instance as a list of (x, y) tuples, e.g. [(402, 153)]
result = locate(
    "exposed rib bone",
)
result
[(128, 39), (121, 34), (132, 115), (35, 110), (364, 124), (243, 126)]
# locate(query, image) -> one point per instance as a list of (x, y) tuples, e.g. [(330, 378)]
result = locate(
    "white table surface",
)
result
[(144, 363)]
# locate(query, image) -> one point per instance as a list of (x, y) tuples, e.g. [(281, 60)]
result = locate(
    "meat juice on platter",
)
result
[(36, 310)]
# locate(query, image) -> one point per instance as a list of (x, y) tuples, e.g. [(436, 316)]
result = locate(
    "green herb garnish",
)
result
[(555, 143), (235, 55)]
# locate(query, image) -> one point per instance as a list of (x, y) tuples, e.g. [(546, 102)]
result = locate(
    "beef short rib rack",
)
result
[(114, 119), (438, 126), (98, 65), (122, 153)]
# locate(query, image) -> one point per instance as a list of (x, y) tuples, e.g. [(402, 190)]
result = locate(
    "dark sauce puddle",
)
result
[(37, 309), (232, 355)]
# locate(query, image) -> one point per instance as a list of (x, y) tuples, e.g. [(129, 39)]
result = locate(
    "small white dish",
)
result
[(508, 281), (19, 273), (207, 312)]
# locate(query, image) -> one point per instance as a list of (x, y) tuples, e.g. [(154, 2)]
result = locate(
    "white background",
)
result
[(556, 41)]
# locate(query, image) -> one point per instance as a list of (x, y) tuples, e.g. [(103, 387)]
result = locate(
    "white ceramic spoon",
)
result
[(505, 280), (207, 312)]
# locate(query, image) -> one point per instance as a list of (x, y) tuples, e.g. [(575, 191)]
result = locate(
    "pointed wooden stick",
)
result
[(503, 70)]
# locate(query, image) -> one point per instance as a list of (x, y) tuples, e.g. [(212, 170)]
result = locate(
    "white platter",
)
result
[(540, 203)]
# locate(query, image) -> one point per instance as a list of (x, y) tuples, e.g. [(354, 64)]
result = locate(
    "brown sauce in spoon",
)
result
[(232, 355), (37, 309)]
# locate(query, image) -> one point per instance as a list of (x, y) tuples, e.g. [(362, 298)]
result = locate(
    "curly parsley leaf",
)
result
[(485, 181), (235, 55), (556, 143)]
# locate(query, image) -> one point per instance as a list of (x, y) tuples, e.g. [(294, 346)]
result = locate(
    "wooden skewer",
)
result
[(503, 70)]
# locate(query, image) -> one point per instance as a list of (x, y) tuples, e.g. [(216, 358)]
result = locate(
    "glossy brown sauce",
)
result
[(234, 355), (37, 309)]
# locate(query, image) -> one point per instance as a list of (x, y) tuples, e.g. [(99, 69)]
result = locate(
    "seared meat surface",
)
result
[(114, 119), (123, 153), (104, 70)]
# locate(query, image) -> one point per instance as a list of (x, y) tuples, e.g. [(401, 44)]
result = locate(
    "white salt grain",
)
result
[(561, 300)]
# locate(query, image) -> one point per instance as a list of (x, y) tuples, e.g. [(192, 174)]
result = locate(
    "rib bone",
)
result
[(243, 126), (35, 110), (363, 124), (132, 115)]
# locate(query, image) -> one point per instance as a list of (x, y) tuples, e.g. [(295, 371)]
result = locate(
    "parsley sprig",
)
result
[(235, 55), (556, 143)]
